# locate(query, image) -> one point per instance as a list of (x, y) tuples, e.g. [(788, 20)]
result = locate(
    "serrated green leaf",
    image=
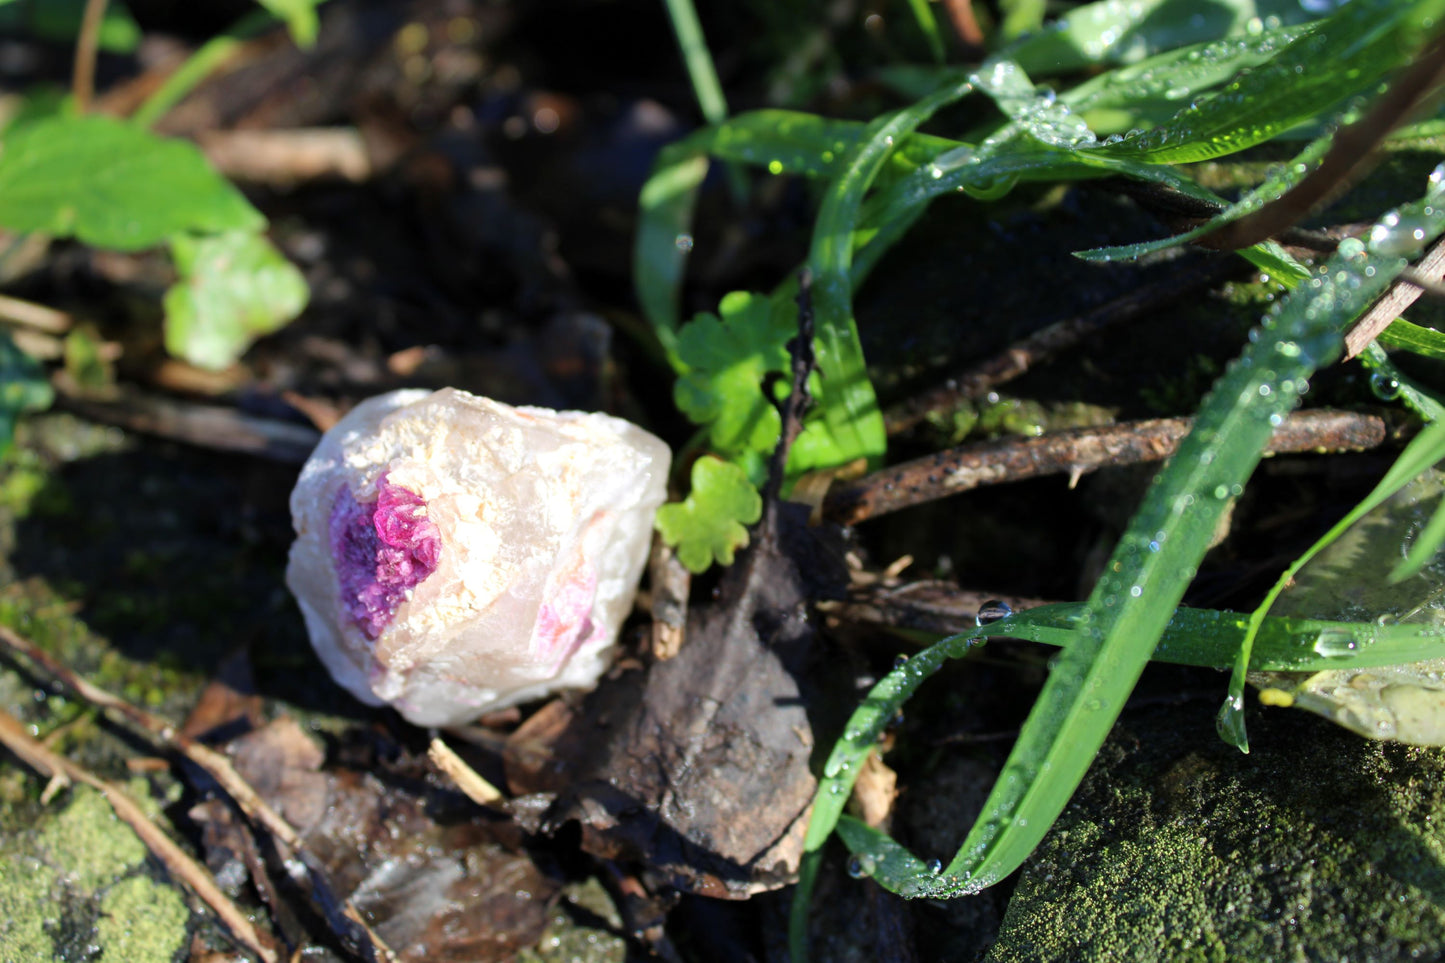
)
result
[(299, 17), (710, 524), (727, 359), (22, 388), (234, 288), (113, 185)]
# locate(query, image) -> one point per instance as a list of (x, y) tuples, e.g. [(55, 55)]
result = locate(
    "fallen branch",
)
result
[(1073, 452), (979, 379)]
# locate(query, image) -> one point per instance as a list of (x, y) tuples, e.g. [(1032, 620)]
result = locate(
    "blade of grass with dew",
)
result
[(850, 408), (1280, 180), (1402, 334), (1151, 91), (860, 738), (1420, 222), (1198, 637), (1152, 565), (1417, 399), (1327, 68), (1210, 638), (1108, 32)]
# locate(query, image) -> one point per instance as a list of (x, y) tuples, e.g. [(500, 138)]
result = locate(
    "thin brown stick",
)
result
[(1072, 452), (1400, 296), (31, 315), (177, 862), (965, 24), (162, 733), (978, 380), (82, 80), (208, 426)]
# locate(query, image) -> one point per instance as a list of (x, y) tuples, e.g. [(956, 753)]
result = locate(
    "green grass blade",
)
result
[(928, 24), (1423, 341), (1211, 638), (1151, 567), (1328, 67), (850, 406), (695, 56), (1283, 178), (1384, 263), (860, 737), (1150, 92), (1109, 32)]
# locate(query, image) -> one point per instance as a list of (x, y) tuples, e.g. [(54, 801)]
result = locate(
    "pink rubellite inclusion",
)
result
[(381, 551)]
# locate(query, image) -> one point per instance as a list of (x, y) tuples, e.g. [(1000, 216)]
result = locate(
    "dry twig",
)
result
[(1072, 452), (1400, 296)]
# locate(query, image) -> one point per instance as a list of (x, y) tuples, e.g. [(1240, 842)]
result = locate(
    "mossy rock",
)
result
[(1318, 845)]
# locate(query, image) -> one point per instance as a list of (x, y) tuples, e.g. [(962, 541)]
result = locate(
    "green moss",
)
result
[(142, 922), (567, 938), (1318, 845), (88, 843), (25, 887)]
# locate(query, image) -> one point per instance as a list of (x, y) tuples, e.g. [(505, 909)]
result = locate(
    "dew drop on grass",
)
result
[(992, 611), (861, 866), (1335, 643), (1384, 387)]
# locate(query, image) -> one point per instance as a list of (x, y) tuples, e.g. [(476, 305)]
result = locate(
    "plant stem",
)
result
[(82, 83), (200, 65)]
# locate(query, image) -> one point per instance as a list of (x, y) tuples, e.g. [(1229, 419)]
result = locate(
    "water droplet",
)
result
[(1335, 643), (683, 242), (992, 611), (935, 866), (861, 866), (1384, 387)]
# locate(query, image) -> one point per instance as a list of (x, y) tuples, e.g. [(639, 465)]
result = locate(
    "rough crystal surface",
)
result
[(455, 555)]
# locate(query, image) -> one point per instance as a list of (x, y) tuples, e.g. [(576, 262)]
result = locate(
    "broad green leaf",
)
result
[(22, 388), (727, 360), (298, 15), (710, 524), (234, 288), (113, 185)]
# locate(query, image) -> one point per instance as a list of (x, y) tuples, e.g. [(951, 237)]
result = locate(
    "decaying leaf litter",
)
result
[(482, 266)]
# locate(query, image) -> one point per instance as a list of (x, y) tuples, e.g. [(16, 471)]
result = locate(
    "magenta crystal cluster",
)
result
[(381, 550)]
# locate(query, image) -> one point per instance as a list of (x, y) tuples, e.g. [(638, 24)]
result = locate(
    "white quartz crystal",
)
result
[(456, 555)]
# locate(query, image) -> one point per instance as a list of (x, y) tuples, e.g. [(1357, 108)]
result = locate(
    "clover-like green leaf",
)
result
[(234, 288), (728, 359), (710, 524), (113, 185)]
